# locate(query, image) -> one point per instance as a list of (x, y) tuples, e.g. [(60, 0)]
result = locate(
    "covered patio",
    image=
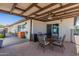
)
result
[(41, 11), (46, 15), (52, 19), (31, 49)]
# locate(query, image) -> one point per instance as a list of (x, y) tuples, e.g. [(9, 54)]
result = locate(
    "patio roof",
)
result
[(41, 11)]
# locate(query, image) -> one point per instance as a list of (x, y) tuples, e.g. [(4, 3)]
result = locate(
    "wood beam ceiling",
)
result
[(64, 15), (13, 7), (8, 12), (77, 7), (60, 4), (38, 6), (67, 15), (59, 8), (42, 9), (28, 8), (74, 15), (19, 8), (64, 11), (58, 15)]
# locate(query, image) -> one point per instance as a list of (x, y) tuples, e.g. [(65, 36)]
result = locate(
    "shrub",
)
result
[(10, 33), (1, 36)]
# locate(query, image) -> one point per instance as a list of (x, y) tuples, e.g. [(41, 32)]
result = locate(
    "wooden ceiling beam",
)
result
[(4, 11), (64, 11), (13, 7), (28, 8), (8, 12), (19, 8), (69, 16), (60, 4), (77, 7), (48, 6), (38, 6), (59, 8), (63, 15)]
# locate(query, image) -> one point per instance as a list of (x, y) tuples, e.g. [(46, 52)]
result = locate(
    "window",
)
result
[(24, 25), (19, 27), (55, 29)]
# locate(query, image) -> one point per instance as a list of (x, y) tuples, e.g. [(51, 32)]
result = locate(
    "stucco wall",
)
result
[(38, 26), (64, 27), (12, 28), (26, 29)]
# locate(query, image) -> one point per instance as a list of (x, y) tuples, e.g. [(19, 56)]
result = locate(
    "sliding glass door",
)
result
[(53, 30)]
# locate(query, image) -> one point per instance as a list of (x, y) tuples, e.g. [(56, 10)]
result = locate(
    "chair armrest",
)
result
[(58, 40)]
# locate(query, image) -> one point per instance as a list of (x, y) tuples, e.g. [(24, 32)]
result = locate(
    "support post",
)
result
[(31, 30)]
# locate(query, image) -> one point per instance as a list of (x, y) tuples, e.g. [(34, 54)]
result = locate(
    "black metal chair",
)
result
[(43, 41), (60, 42)]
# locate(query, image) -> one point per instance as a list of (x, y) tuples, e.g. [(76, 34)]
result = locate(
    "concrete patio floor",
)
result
[(11, 40), (31, 49)]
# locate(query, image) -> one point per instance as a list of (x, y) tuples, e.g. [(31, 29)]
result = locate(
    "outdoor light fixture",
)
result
[(61, 20), (33, 15), (49, 15)]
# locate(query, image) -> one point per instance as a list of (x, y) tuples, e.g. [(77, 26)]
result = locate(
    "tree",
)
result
[(1, 26)]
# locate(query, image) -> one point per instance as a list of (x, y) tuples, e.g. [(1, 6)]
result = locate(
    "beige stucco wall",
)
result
[(38, 26), (27, 29), (64, 27), (12, 28)]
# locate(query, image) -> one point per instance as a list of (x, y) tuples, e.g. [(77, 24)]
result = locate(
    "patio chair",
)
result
[(43, 42), (60, 42)]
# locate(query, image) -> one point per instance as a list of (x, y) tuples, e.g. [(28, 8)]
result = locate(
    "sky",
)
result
[(7, 19)]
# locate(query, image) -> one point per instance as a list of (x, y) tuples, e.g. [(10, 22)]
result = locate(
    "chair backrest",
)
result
[(63, 38), (41, 39)]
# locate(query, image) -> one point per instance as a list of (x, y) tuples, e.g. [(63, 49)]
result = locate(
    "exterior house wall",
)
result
[(38, 26), (26, 29), (64, 27), (13, 28)]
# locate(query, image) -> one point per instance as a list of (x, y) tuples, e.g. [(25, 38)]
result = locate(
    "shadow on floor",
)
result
[(12, 40), (13, 44)]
